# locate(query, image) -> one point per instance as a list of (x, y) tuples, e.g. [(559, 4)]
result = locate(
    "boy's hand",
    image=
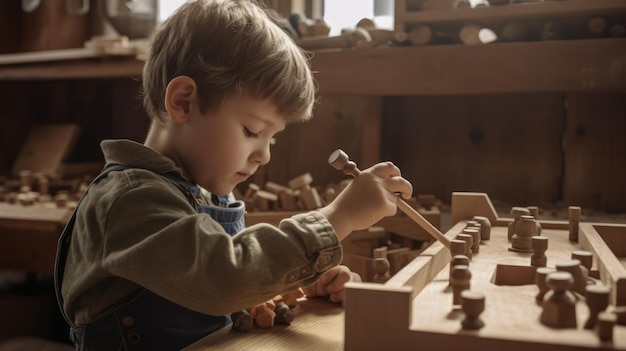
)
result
[(331, 283), (367, 199)]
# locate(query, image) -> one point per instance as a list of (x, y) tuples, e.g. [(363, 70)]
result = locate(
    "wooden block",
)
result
[(46, 147)]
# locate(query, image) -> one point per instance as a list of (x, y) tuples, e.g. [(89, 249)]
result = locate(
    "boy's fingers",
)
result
[(386, 170)]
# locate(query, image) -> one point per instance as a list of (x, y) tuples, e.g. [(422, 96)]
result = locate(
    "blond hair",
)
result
[(228, 47)]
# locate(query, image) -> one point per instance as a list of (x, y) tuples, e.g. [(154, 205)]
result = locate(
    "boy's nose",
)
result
[(262, 155)]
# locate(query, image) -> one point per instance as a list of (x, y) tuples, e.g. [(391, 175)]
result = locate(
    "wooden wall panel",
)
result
[(108, 108), (595, 151), (506, 145), (338, 122)]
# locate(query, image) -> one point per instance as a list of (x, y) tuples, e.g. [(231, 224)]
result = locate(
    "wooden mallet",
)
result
[(340, 160)]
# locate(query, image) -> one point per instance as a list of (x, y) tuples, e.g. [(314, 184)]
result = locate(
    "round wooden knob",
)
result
[(341, 161), (560, 280)]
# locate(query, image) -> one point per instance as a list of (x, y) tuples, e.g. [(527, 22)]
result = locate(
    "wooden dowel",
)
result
[(340, 160)]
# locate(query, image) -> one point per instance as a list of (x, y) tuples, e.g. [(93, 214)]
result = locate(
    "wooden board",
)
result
[(496, 144), (594, 151), (45, 148), (415, 306)]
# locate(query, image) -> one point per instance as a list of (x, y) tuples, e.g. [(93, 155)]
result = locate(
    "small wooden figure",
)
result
[(578, 272), (516, 213), (263, 314), (457, 247), (458, 260), (485, 227), (525, 229), (539, 246), (459, 280), (308, 195), (540, 279), (242, 320), (284, 314), (475, 233), (573, 214), (381, 270), (472, 304), (597, 297), (585, 258), (469, 240), (605, 324), (559, 304)]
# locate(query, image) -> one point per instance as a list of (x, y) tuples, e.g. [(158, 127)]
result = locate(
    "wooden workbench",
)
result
[(318, 326), (415, 307)]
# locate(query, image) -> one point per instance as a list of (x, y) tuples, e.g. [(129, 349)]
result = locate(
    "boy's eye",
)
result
[(249, 133)]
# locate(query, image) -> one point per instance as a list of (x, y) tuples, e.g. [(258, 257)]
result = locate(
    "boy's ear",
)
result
[(180, 96)]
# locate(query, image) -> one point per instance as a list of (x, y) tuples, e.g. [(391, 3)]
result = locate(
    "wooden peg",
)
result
[(341, 161)]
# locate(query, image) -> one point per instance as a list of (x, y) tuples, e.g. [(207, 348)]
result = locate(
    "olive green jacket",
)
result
[(135, 229)]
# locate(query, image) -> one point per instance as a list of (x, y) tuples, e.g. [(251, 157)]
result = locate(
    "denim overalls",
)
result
[(146, 321)]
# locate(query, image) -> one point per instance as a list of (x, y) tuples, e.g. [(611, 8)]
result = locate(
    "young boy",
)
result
[(156, 255)]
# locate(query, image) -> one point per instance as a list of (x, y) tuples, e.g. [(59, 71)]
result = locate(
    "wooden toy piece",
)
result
[(381, 270), (43, 184), (263, 314), (485, 227), (525, 229), (61, 200), (472, 304), (308, 195), (421, 34), (242, 320), (340, 161), (597, 297), (539, 246), (290, 298), (475, 233), (457, 247), (459, 280), (458, 260), (620, 312), (469, 241), (578, 272), (573, 214), (540, 279), (284, 314), (348, 39), (605, 324), (474, 34), (585, 258), (516, 213), (265, 200), (250, 195), (559, 304), (287, 199), (474, 224), (534, 211), (26, 178)]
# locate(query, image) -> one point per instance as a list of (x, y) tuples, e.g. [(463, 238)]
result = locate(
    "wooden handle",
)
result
[(340, 160)]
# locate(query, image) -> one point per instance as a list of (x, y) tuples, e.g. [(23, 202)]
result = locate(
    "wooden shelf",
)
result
[(99, 68), (521, 11), (590, 65)]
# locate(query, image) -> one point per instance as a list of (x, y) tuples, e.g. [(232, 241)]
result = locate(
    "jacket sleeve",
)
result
[(156, 239)]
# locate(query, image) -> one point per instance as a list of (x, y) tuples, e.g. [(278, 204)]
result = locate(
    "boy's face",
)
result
[(223, 147)]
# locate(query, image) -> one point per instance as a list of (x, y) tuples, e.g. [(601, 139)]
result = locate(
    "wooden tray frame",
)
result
[(380, 316)]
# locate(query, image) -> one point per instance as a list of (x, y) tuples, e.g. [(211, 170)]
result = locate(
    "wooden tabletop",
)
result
[(318, 325)]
